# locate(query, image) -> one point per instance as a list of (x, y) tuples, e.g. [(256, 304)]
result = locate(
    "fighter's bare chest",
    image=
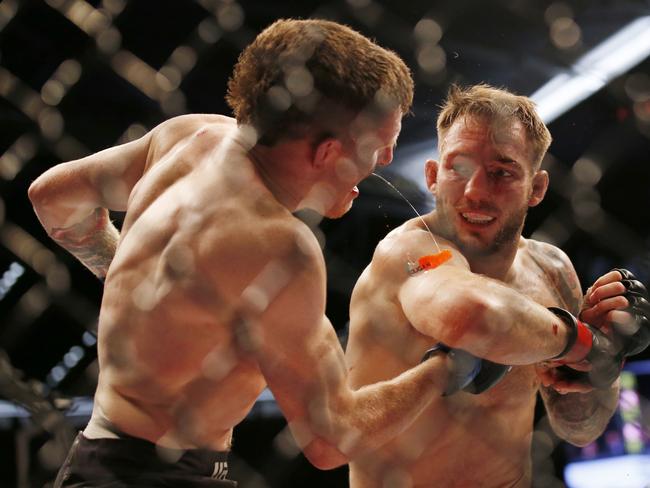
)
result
[(541, 283)]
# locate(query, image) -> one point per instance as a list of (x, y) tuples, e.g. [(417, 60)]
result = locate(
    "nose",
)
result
[(385, 156), (476, 187)]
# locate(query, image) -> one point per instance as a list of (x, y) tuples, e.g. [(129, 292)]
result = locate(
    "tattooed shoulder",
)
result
[(561, 274)]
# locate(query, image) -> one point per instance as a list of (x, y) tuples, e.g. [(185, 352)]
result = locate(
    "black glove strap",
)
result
[(440, 347), (570, 320)]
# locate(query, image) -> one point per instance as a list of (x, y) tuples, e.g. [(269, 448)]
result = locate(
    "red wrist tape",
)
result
[(580, 339), (581, 346)]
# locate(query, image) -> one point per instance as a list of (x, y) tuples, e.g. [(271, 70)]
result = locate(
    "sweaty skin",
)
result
[(460, 440), (490, 299), (215, 290), (156, 343)]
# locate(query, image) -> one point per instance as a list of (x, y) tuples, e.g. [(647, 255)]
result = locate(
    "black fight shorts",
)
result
[(132, 462)]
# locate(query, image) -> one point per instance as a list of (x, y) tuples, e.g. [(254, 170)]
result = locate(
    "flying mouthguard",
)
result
[(430, 261)]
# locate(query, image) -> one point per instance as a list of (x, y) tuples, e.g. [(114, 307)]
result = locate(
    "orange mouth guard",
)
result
[(434, 260), (431, 261)]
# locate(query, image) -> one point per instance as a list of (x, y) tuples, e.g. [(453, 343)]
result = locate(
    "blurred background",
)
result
[(78, 76)]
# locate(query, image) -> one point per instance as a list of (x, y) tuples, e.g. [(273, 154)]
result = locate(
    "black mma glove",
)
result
[(586, 343), (633, 338), (468, 373)]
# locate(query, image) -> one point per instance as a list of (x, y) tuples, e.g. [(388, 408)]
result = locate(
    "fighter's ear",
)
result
[(539, 187), (328, 151), (431, 173)]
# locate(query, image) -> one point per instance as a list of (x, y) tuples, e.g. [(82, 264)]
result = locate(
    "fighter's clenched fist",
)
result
[(617, 310), (618, 303)]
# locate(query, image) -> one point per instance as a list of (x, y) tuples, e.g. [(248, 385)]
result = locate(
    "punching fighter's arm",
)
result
[(578, 413), (72, 201), (302, 361)]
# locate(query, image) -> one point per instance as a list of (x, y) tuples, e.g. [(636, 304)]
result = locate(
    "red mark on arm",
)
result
[(555, 329)]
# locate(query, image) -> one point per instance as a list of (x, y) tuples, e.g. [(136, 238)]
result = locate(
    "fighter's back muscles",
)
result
[(280, 293), (177, 147), (294, 371)]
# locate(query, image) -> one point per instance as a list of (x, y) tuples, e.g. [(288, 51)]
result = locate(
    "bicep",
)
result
[(358, 343), (305, 371), (376, 326), (303, 365), (282, 298)]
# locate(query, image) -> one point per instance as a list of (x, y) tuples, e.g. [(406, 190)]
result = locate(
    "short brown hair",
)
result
[(483, 100), (336, 71)]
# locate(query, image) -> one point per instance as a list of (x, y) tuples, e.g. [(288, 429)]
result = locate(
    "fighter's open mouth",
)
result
[(477, 218)]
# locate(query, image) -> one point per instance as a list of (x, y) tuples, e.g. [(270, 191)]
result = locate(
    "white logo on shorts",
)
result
[(220, 470)]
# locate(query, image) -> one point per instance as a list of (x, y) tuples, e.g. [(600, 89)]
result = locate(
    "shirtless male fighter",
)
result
[(489, 300), (214, 289)]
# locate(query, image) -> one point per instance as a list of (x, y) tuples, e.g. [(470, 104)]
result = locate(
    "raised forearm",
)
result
[(580, 418), (492, 321), (92, 241)]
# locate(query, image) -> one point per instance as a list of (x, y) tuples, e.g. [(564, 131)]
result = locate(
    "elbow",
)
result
[(465, 317), (579, 439), (39, 196), (36, 192), (323, 455), (40, 192), (580, 442)]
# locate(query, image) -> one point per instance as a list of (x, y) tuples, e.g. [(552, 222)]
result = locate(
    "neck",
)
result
[(277, 167), (497, 265)]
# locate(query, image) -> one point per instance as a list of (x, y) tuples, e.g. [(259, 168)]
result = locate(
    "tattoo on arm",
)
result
[(570, 290), (560, 275), (580, 417), (576, 417), (92, 241)]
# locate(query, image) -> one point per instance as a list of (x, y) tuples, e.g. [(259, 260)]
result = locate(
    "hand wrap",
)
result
[(468, 373), (587, 343)]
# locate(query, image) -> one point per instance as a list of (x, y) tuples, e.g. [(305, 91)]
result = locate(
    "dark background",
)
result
[(79, 76)]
